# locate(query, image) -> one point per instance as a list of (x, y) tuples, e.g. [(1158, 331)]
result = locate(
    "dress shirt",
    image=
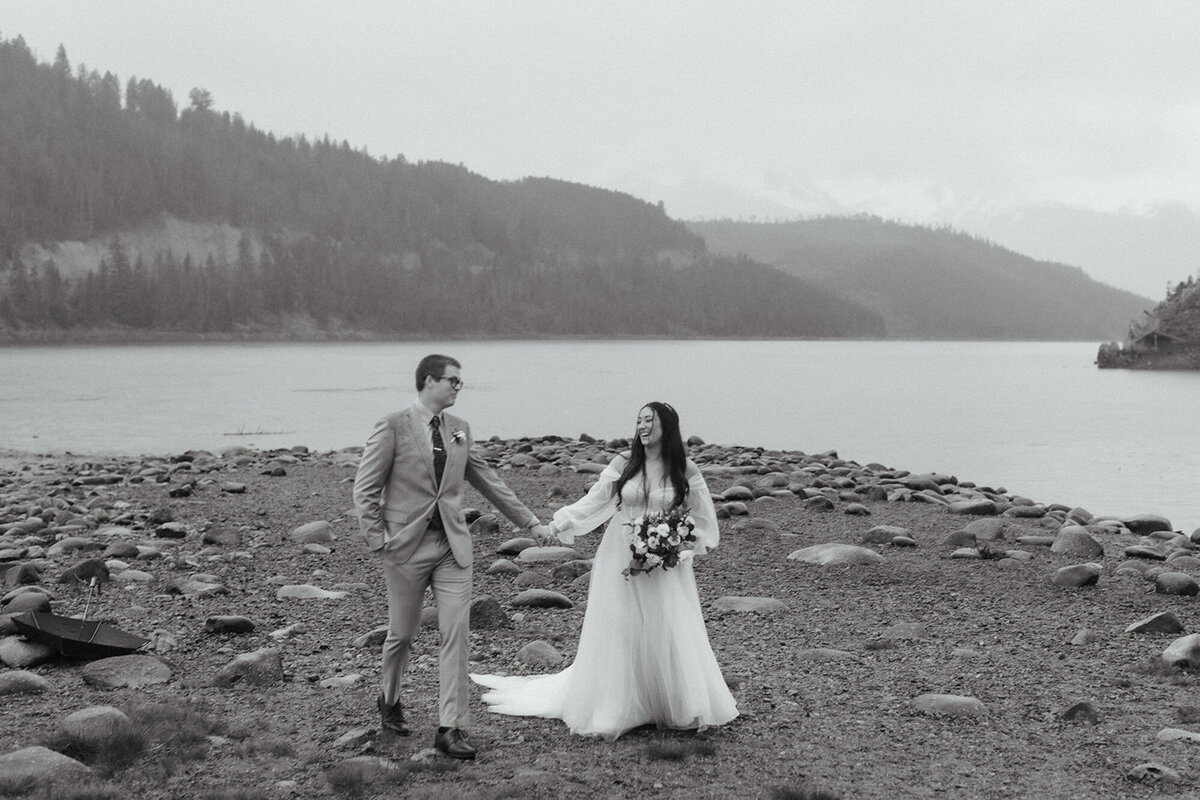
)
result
[(426, 415)]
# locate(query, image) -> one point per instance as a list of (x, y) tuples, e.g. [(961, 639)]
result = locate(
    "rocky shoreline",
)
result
[(1113, 356), (846, 599)]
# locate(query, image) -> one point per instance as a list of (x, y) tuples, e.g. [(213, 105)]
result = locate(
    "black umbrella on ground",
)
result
[(76, 638)]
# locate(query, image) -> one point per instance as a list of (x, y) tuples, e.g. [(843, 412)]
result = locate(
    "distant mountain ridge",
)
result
[(119, 210), (933, 283)]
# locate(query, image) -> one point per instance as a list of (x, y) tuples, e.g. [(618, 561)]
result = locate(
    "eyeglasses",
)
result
[(455, 383)]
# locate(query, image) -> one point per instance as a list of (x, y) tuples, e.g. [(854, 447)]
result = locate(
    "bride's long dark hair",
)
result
[(674, 454)]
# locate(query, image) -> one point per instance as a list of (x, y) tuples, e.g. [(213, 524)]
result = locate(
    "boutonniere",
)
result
[(459, 436)]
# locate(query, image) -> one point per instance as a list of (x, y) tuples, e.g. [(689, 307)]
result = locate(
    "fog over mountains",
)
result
[(122, 210), (1067, 137), (1139, 247), (1141, 252), (934, 283)]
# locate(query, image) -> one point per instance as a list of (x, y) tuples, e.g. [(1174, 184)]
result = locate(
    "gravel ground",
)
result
[(812, 724)]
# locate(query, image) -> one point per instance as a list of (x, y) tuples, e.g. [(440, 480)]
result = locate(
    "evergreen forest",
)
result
[(337, 237)]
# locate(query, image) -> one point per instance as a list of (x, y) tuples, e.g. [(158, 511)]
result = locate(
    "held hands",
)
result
[(542, 535)]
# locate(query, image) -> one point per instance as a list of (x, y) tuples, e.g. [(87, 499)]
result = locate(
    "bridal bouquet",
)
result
[(658, 538)]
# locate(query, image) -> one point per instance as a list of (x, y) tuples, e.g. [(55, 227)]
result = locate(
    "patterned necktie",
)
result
[(439, 450)]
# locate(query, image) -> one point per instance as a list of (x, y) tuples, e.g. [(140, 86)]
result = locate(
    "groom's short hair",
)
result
[(434, 366)]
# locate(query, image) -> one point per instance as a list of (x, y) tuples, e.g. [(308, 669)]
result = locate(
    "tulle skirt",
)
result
[(643, 657)]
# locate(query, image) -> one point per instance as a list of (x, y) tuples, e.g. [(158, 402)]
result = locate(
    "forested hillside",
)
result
[(934, 283), (334, 235), (1165, 337)]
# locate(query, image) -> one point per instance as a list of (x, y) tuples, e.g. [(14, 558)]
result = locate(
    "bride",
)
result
[(643, 655)]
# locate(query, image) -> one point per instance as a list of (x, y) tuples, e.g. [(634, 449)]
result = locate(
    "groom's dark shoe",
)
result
[(392, 717), (453, 742)]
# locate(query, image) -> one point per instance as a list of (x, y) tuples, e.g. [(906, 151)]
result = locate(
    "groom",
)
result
[(408, 494)]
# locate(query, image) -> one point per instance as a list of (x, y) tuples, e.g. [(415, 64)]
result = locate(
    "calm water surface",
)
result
[(1034, 418)]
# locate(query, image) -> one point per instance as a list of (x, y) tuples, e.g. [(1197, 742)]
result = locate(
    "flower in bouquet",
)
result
[(657, 538)]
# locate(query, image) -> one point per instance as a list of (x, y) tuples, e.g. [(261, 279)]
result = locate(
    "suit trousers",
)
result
[(432, 565)]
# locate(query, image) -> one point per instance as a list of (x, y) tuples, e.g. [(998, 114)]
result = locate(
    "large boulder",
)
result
[(1162, 622), (1145, 551), (738, 493), (38, 765), (259, 668), (222, 537), (126, 672), (18, 653), (318, 531), (1143, 524), (988, 529), (1077, 575), (19, 681), (542, 598), (1184, 652), (375, 637), (530, 578), (921, 483), (27, 601), (569, 570), (981, 507), (1075, 541), (487, 614), (539, 655), (485, 525), (819, 503), (883, 534), (951, 705), (502, 566), (548, 555), (836, 553), (1176, 583), (514, 546), (306, 591), (229, 623), (94, 724), (959, 538)]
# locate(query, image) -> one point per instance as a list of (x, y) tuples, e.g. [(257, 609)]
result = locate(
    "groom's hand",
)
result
[(542, 535)]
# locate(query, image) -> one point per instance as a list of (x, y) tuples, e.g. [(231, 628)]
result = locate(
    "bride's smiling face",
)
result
[(649, 432)]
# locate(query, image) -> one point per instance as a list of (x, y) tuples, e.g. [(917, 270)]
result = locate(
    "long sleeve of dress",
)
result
[(593, 509), (708, 534)]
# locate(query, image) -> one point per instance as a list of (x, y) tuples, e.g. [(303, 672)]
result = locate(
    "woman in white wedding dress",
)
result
[(643, 655)]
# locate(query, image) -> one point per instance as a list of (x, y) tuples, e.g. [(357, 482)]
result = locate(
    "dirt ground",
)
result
[(811, 724)]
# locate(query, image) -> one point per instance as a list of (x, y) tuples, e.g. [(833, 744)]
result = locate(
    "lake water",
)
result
[(1036, 418)]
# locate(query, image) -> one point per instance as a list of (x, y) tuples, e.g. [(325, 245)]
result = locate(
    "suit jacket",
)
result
[(395, 490)]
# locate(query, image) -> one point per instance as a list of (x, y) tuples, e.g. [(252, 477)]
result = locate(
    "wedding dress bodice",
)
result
[(599, 505)]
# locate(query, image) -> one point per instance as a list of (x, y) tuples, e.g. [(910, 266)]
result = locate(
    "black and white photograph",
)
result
[(484, 399)]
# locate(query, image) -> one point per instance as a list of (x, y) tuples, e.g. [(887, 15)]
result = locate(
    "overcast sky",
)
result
[(971, 113)]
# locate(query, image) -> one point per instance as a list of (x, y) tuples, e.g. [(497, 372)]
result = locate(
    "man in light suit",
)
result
[(408, 495)]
